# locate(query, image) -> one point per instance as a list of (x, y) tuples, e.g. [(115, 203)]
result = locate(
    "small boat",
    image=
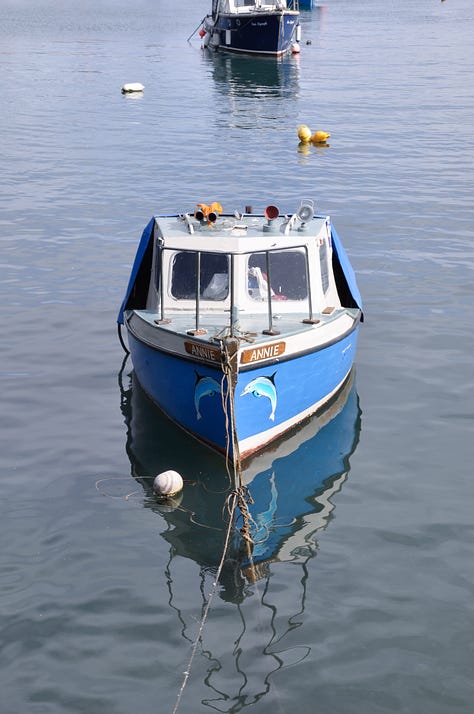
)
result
[(241, 325), (260, 27)]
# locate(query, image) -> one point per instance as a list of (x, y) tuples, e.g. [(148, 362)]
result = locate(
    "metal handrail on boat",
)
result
[(233, 317)]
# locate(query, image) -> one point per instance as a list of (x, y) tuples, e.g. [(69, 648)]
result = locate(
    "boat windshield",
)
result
[(286, 270), (213, 275), (236, 4)]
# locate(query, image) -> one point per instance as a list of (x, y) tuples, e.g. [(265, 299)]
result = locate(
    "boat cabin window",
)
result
[(243, 3), (288, 275), (213, 274), (323, 263)]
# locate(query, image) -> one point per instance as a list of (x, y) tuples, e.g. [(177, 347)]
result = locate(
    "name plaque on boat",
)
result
[(204, 352), (257, 354)]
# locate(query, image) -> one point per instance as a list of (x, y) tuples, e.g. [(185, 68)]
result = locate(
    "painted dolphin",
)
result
[(265, 522), (204, 387), (263, 387)]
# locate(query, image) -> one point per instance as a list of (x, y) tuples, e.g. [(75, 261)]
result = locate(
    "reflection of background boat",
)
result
[(240, 75), (291, 485), (243, 84)]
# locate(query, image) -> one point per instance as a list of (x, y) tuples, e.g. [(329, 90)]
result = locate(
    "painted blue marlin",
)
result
[(204, 387), (263, 387)]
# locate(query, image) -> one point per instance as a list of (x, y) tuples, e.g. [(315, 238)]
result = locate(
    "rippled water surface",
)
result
[(366, 603)]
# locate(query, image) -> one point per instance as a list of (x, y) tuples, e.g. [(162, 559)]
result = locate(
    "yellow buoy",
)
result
[(319, 137), (304, 133)]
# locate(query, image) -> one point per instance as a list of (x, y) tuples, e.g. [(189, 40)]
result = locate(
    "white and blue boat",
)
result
[(241, 325), (259, 27)]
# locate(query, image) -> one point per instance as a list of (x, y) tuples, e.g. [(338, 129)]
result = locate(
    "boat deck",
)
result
[(213, 326)]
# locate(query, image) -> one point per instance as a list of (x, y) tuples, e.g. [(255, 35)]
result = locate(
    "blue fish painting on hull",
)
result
[(263, 387), (265, 521), (204, 387)]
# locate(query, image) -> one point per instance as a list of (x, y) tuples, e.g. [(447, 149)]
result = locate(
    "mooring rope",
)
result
[(239, 498), (122, 342), (197, 28), (231, 510)]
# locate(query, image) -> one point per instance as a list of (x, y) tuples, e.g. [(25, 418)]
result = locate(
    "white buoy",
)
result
[(132, 87), (167, 484)]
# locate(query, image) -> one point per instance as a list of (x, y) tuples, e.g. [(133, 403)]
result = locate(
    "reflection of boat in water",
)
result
[(243, 85), (291, 486), (242, 76), (299, 478)]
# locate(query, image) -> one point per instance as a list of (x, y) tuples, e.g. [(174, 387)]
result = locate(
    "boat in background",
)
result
[(259, 27), (241, 326)]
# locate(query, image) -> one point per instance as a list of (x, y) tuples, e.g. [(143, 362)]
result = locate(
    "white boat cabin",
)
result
[(242, 268), (226, 7)]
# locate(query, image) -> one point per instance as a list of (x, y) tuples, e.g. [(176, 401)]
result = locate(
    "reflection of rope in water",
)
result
[(169, 581), (294, 656), (232, 507)]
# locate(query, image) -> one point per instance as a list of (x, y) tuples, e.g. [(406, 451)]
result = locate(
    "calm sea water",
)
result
[(101, 592)]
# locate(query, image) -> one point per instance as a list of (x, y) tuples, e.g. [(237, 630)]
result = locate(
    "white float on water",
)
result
[(167, 484), (132, 87)]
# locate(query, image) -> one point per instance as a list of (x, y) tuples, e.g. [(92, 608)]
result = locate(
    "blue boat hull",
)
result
[(268, 400), (268, 34)]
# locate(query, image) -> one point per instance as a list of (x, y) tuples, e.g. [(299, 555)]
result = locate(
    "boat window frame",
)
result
[(324, 266), (270, 302), (301, 250), (231, 293), (197, 282)]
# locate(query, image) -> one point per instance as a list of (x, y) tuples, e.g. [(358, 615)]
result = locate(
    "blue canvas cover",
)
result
[(141, 252), (347, 269)]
